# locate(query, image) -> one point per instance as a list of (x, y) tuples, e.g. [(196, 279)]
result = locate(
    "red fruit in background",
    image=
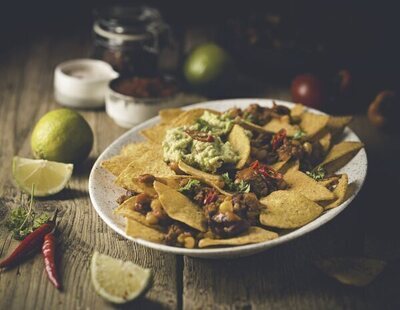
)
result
[(309, 90)]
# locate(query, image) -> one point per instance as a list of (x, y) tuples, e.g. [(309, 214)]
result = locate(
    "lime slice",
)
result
[(48, 177), (118, 281)]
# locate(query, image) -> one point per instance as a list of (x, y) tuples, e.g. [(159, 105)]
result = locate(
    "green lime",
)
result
[(48, 177), (118, 281), (62, 135), (206, 64)]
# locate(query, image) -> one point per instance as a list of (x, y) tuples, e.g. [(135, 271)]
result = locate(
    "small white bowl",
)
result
[(82, 83), (128, 111)]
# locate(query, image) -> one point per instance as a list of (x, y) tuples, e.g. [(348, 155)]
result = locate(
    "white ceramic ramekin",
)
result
[(82, 83), (129, 111)]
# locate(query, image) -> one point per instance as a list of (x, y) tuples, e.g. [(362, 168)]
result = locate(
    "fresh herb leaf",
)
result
[(299, 134), (241, 187), (190, 187), (317, 174), (23, 220), (202, 125)]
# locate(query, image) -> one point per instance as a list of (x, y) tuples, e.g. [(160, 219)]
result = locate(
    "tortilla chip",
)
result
[(340, 155), (138, 230), (252, 235), (340, 192), (337, 124), (168, 115), (328, 181), (288, 210), (137, 148), (149, 163), (291, 165), (116, 164), (297, 111), (325, 142), (156, 133), (240, 143), (301, 183), (279, 165), (213, 178), (189, 117), (126, 209), (129, 152), (275, 125), (250, 126), (312, 124), (179, 207), (356, 271)]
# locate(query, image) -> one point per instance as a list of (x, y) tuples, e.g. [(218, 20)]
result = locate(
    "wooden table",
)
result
[(281, 278)]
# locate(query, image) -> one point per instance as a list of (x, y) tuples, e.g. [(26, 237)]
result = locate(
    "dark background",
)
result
[(316, 36)]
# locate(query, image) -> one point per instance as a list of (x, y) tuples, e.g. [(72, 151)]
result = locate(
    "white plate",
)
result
[(103, 192)]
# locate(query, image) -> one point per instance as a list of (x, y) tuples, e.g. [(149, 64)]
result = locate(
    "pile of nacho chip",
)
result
[(180, 205)]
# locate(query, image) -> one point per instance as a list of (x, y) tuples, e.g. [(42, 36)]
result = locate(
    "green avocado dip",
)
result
[(207, 153)]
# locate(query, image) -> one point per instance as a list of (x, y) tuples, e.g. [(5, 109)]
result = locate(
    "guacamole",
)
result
[(217, 124), (207, 156)]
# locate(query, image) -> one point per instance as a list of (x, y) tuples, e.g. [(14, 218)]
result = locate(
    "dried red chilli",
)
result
[(265, 170), (48, 250), (200, 135), (31, 242)]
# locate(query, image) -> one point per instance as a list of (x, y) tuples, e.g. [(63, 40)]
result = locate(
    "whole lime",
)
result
[(206, 64), (62, 135)]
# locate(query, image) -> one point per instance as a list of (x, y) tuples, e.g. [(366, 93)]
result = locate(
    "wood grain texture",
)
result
[(26, 93)]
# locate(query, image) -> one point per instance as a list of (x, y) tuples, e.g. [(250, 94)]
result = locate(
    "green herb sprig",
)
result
[(241, 187), (299, 134), (190, 187), (317, 174), (23, 219)]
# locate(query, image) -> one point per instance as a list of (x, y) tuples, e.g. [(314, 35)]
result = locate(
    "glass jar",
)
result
[(130, 39)]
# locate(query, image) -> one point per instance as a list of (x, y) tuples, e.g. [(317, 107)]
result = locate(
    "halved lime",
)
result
[(48, 177), (116, 280)]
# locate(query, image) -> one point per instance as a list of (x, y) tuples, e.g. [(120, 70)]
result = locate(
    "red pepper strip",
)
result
[(30, 243), (278, 138), (48, 250), (211, 196)]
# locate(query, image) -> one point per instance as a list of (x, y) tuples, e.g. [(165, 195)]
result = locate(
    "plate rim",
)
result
[(234, 251)]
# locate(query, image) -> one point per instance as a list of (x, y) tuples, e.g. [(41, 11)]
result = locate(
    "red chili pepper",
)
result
[(30, 243), (211, 196), (48, 250), (278, 138)]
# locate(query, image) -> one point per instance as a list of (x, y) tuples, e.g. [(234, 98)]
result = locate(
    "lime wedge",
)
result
[(118, 281), (48, 177)]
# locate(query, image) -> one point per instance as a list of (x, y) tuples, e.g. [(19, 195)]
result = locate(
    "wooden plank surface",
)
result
[(281, 278), (26, 94)]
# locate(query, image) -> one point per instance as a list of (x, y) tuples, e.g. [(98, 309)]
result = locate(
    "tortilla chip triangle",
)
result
[(276, 124), (312, 123), (340, 192), (140, 165), (288, 210), (340, 154), (138, 230), (252, 235), (240, 143), (168, 115), (179, 207), (301, 183)]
